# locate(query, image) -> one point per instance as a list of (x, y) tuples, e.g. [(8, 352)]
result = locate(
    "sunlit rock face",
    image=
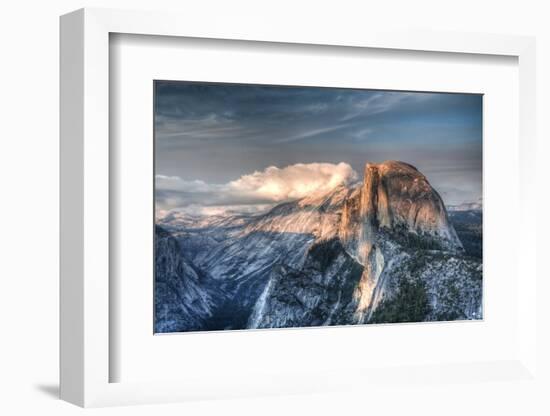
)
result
[(414, 203), (396, 196), (395, 200), (381, 250)]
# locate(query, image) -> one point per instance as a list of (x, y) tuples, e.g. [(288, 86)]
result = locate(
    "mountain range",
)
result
[(383, 250)]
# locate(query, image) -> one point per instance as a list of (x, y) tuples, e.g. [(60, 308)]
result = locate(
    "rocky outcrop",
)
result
[(395, 203), (395, 196), (183, 300), (319, 293)]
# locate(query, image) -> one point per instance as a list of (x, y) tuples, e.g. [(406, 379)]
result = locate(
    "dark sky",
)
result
[(208, 135)]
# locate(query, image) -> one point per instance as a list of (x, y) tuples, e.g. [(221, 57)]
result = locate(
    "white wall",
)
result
[(29, 207)]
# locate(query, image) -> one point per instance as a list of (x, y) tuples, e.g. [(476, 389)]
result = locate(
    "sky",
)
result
[(242, 147)]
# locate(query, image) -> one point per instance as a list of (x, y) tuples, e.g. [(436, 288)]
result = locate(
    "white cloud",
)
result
[(294, 181), (269, 186)]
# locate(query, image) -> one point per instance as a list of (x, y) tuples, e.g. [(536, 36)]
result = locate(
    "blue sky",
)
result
[(209, 135)]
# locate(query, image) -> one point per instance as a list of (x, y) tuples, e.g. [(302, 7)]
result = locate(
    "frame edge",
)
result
[(71, 219)]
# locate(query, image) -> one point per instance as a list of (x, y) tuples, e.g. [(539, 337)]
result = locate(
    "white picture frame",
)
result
[(85, 355)]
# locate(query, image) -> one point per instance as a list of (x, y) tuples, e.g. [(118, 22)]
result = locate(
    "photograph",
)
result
[(283, 206)]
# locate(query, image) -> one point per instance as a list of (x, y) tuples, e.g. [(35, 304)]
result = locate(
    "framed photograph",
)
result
[(237, 210)]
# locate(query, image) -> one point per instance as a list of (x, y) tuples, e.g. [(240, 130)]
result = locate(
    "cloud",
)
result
[(295, 181), (175, 183), (311, 133), (267, 187), (220, 132), (184, 212), (362, 134), (207, 126), (380, 102)]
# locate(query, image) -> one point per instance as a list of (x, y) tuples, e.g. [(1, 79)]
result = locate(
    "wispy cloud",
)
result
[(209, 126), (311, 133), (380, 102)]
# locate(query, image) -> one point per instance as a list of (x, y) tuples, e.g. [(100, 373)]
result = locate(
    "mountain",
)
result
[(382, 250), (396, 230), (466, 206), (469, 228)]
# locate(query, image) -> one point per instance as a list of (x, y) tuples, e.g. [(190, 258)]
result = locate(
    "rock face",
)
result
[(380, 251), (319, 293), (396, 204), (396, 197), (182, 299)]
